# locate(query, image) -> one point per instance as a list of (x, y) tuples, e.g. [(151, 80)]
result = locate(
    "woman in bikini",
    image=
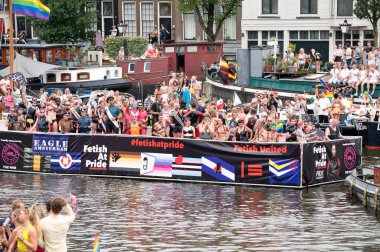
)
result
[(221, 131)]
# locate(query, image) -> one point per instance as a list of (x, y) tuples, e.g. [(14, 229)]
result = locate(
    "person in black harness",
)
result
[(42, 122), (332, 131)]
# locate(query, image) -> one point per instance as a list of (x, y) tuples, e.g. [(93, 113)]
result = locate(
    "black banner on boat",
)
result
[(160, 158), (331, 160)]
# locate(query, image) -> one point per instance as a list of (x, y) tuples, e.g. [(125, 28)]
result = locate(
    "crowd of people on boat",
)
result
[(176, 109), (40, 227)]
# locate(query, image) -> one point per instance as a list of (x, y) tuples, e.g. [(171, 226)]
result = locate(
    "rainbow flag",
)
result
[(32, 8), (325, 85), (96, 244)]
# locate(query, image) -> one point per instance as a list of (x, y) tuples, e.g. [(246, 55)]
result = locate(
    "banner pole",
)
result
[(301, 177)]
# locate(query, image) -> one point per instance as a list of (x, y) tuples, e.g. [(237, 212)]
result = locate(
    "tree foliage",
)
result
[(216, 12), (136, 45), (370, 10), (71, 21)]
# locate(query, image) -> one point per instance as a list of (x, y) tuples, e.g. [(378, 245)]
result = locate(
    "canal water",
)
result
[(133, 215)]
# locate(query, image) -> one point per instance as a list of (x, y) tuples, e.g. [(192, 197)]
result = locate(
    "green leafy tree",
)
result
[(136, 45), (370, 10), (226, 9), (71, 21)]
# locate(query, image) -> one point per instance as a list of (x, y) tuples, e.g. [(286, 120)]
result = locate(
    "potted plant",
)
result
[(269, 64)]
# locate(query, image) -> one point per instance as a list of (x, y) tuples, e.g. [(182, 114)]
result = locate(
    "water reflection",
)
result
[(151, 216)]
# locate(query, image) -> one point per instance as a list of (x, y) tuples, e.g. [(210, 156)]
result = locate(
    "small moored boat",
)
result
[(365, 186)]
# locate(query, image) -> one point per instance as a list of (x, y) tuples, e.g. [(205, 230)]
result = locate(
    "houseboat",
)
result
[(174, 57), (92, 78)]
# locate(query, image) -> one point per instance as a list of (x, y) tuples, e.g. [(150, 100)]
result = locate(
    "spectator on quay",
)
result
[(196, 85), (334, 75), (317, 58), (353, 80), (301, 59), (55, 226), (373, 78), (348, 55), (363, 77), (112, 113), (367, 50), (338, 55), (344, 75), (188, 131), (358, 54)]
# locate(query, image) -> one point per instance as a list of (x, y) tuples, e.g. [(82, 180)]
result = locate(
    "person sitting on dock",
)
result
[(301, 59), (334, 75), (344, 75), (353, 81)]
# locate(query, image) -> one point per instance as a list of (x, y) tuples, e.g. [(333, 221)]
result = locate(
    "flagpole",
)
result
[(11, 52)]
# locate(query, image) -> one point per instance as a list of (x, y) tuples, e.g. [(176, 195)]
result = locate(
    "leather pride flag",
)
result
[(225, 70)]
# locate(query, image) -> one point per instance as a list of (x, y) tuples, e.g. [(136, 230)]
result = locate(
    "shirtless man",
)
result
[(159, 128), (66, 125), (52, 114)]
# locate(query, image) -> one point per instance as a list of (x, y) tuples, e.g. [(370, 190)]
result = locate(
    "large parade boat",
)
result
[(285, 165)]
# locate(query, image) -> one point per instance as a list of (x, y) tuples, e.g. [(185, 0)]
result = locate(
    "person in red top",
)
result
[(142, 118)]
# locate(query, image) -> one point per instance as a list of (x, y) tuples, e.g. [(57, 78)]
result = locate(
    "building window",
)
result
[(147, 67), (147, 16), (269, 35), (131, 68), (107, 9), (189, 26), (253, 38), (230, 28), (65, 77), (130, 18), (314, 35), (165, 15), (304, 35), (293, 35), (368, 37), (352, 38), (324, 35), (345, 7), (270, 6), (51, 77), (83, 76), (309, 6)]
